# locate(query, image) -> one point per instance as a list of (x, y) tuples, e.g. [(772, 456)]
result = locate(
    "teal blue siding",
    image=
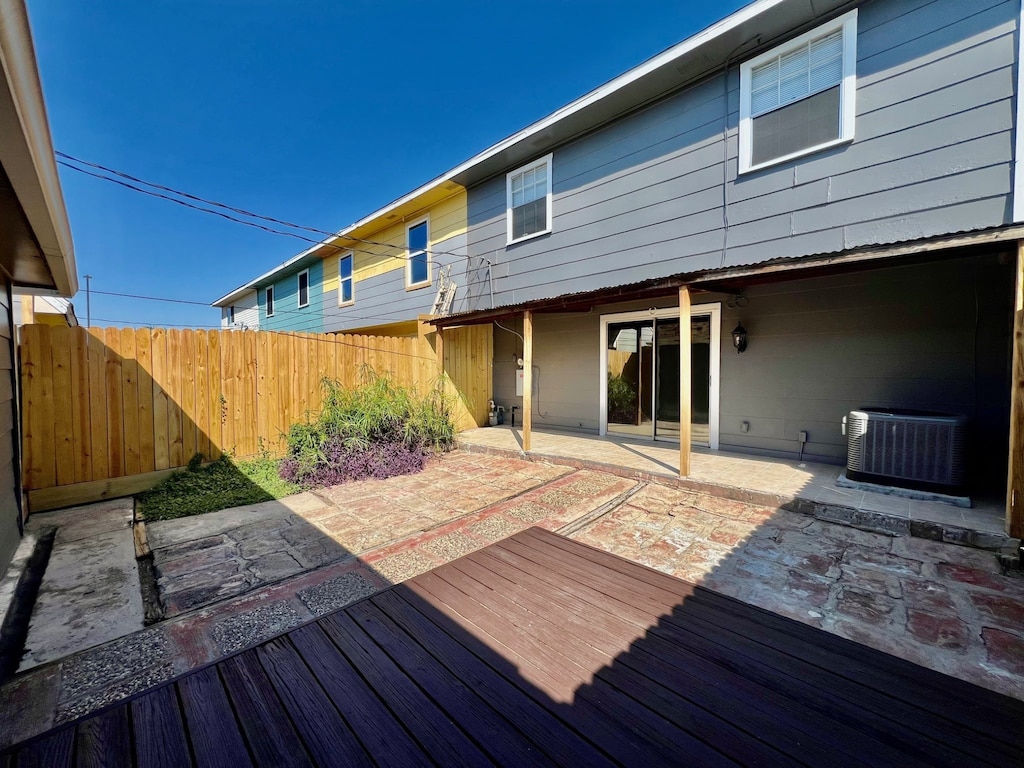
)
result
[(288, 316)]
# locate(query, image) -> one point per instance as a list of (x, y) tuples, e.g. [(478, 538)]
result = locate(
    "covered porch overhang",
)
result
[(1006, 242)]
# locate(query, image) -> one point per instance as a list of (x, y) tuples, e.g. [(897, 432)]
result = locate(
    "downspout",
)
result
[(725, 143)]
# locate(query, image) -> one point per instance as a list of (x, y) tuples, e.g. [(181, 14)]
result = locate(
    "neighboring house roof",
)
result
[(45, 309), (42, 255), (752, 27)]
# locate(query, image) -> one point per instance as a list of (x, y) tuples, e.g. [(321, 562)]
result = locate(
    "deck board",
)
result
[(105, 741), (539, 650), (160, 738), (984, 711), (265, 723), (214, 733)]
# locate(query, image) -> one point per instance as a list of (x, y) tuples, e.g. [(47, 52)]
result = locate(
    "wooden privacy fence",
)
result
[(109, 403)]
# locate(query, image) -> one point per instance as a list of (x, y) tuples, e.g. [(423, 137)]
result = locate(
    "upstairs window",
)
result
[(231, 315), (304, 288), (270, 301), (529, 200), (345, 282), (417, 268), (799, 98)]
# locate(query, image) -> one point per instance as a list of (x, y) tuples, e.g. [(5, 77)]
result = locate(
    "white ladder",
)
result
[(445, 293)]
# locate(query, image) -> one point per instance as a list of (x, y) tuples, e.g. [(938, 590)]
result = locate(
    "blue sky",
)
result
[(313, 111)]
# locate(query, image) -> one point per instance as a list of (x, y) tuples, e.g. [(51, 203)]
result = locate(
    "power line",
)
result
[(152, 325), (234, 209), (307, 315), (334, 338), (152, 298)]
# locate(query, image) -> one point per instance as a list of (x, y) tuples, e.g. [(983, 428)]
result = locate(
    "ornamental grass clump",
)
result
[(376, 430)]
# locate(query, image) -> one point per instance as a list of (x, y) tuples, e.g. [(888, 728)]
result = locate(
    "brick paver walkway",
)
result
[(205, 559)]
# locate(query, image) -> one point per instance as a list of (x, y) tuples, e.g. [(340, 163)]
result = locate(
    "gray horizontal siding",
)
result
[(643, 197), (383, 299), (820, 348)]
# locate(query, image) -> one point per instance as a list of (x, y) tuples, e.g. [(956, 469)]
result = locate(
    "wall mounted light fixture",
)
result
[(739, 337)]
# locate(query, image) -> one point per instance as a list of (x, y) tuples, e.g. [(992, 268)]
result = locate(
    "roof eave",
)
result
[(539, 137), (26, 147)]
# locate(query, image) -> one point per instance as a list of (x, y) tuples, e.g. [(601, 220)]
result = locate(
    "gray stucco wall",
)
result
[(643, 197), (931, 337)]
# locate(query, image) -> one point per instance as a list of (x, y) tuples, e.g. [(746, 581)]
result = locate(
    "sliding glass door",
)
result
[(641, 374), (630, 378)]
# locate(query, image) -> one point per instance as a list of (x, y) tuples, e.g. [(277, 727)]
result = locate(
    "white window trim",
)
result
[(546, 160), (409, 285), (341, 258), (847, 91), (298, 288), (269, 291)]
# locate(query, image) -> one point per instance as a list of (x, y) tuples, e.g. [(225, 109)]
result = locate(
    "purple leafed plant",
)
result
[(375, 430), (341, 464)]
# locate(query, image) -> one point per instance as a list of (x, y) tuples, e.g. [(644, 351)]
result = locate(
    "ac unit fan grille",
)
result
[(909, 448)]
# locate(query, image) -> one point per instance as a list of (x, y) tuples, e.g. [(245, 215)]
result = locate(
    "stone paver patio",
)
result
[(204, 559), (948, 607), (944, 606)]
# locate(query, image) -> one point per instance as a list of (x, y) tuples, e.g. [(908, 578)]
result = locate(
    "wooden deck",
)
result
[(542, 651)]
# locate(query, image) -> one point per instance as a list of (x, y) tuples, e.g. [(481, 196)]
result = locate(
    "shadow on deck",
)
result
[(543, 651)]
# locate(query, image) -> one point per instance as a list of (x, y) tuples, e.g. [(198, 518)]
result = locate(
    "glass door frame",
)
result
[(712, 310)]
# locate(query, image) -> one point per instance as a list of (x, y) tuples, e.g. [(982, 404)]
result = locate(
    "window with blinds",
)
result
[(529, 200), (798, 98)]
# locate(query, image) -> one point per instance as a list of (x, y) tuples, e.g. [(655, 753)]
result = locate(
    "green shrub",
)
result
[(622, 400), (377, 429)]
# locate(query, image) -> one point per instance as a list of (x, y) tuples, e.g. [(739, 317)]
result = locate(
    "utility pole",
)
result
[(88, 302)]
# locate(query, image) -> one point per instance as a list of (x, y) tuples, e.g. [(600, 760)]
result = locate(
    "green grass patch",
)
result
[(219, 485)]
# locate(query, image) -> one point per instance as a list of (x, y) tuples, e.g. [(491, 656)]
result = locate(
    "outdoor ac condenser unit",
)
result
[(908, 448)]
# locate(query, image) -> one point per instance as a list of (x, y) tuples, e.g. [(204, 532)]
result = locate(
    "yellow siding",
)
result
[(331, 275), (447, 220)]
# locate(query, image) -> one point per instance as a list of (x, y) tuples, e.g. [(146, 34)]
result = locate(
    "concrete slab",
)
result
[(90, 594), (164, 533), (77, 523)]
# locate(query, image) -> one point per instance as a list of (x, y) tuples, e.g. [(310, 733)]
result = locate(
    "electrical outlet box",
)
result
[(519, 383), (803, 436)]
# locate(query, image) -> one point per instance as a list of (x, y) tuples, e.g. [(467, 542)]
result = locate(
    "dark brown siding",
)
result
[(10, 532)]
